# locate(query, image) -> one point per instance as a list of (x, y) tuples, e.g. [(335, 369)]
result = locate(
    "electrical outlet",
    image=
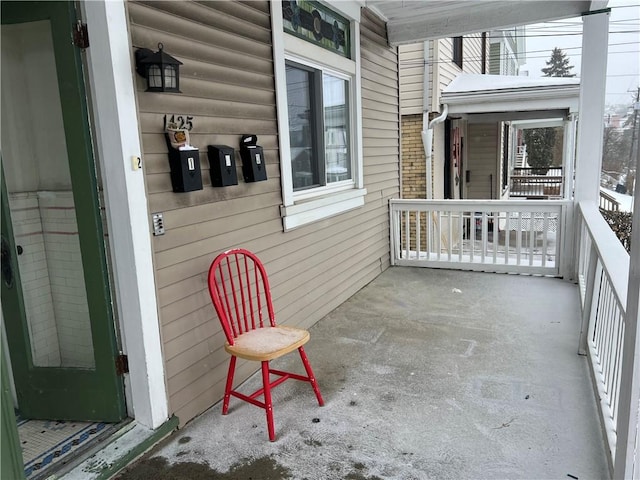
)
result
[(158, 224)]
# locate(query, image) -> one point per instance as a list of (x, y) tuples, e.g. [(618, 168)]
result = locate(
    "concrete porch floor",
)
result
[(426, 374)]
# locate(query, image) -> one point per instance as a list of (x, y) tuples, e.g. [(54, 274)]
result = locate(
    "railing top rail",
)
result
[(530, 205), (609, 197), (614, 258)]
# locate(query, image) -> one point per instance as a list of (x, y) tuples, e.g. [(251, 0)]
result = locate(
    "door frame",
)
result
[(111, 86), (63, 392)]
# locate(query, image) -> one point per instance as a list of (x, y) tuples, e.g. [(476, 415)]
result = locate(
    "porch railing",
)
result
[(603, 272), (528, 183), (609, 202), (518, 236)]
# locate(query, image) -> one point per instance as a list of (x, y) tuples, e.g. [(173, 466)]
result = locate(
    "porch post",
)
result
[(117, 140), (629, 403), (569, 265), (595, 34)]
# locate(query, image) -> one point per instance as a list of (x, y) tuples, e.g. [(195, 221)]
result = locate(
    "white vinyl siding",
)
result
[(411, 78)]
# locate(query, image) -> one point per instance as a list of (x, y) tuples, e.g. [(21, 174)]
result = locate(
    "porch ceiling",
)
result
[(410, 21)]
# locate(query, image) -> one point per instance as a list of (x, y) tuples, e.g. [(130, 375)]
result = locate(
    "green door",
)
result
[(56, 302)]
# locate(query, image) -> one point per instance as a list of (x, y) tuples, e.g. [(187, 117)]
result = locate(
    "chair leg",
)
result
[(312, 379), (268, 406), (227, 388)]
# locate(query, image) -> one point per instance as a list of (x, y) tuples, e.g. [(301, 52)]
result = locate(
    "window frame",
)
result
[(302, 207), (319, 140)]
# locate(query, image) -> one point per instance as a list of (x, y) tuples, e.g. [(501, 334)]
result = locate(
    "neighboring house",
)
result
[(477, 148), (426, 68), (507, 51), (102, 257)]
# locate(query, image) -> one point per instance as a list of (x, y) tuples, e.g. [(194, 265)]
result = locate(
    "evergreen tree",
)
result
[(558, 65), (539, 142)]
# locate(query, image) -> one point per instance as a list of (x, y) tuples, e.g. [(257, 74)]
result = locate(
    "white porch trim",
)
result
[(595, 34), (117, 141)]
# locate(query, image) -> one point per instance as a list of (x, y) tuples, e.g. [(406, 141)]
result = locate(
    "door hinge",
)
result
[(122, 364), (81, 35)]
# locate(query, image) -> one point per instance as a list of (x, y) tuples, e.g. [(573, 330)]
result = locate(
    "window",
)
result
[(457, 51), (318, 105), (317, 70)]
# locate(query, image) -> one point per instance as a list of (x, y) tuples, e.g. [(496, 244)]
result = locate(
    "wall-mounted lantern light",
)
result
[(160, 69)]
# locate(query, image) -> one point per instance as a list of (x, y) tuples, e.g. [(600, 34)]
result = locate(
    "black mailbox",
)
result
[(185, 169), (222, 164), (254, 168)]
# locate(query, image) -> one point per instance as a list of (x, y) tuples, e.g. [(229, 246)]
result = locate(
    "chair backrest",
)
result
[(240, 292)]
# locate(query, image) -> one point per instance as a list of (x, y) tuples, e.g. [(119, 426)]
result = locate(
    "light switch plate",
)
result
[(158, 224)]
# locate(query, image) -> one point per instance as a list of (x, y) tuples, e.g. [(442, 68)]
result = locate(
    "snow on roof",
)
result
[(468, 82)]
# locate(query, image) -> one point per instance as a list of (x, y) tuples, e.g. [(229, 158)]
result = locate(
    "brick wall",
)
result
[(413, 172), (413, 158)]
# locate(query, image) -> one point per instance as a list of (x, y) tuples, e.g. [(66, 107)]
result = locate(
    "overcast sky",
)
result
[(623, 71)]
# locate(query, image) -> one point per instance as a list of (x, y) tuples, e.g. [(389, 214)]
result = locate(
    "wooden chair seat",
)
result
[(267, 343)]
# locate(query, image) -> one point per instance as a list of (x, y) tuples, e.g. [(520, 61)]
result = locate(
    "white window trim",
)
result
[(303, 207)]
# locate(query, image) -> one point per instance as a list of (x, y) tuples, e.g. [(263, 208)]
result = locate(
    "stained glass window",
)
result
[(317, 24)]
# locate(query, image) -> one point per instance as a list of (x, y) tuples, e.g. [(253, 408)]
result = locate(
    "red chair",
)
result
[(240, 293)]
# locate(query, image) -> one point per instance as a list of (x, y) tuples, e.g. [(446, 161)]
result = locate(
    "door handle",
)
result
[(7, 269)]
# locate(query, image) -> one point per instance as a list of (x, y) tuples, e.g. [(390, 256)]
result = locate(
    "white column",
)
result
[(628, 415), (595, 34), (117, 141)]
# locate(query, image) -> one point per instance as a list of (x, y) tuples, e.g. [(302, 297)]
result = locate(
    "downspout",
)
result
[(427, 141)]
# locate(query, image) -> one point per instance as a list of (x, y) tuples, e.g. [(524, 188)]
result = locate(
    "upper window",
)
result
[(457, 51), (319, 108)]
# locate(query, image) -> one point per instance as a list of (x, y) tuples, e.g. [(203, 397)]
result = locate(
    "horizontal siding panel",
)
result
[(379, 169), (202, 88), (158, 163), (189, 319), (181, 256), (154, 143), (204, 107), (169, 24), (380, 79), (189, 236), (374, 142), (376, 156), (182, 47), (160, 183), (165, 201), (374, 52), (372, 90), (412, 75), (315, 306), (249, 12), (210, 332), (202, 14), (378, 63), (201, 402), (380, 134), (222, 208), (369, 106), (414, 102), (382, 126), (153, 123)]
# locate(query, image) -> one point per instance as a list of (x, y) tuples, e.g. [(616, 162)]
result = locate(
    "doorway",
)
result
[(56, 302)]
